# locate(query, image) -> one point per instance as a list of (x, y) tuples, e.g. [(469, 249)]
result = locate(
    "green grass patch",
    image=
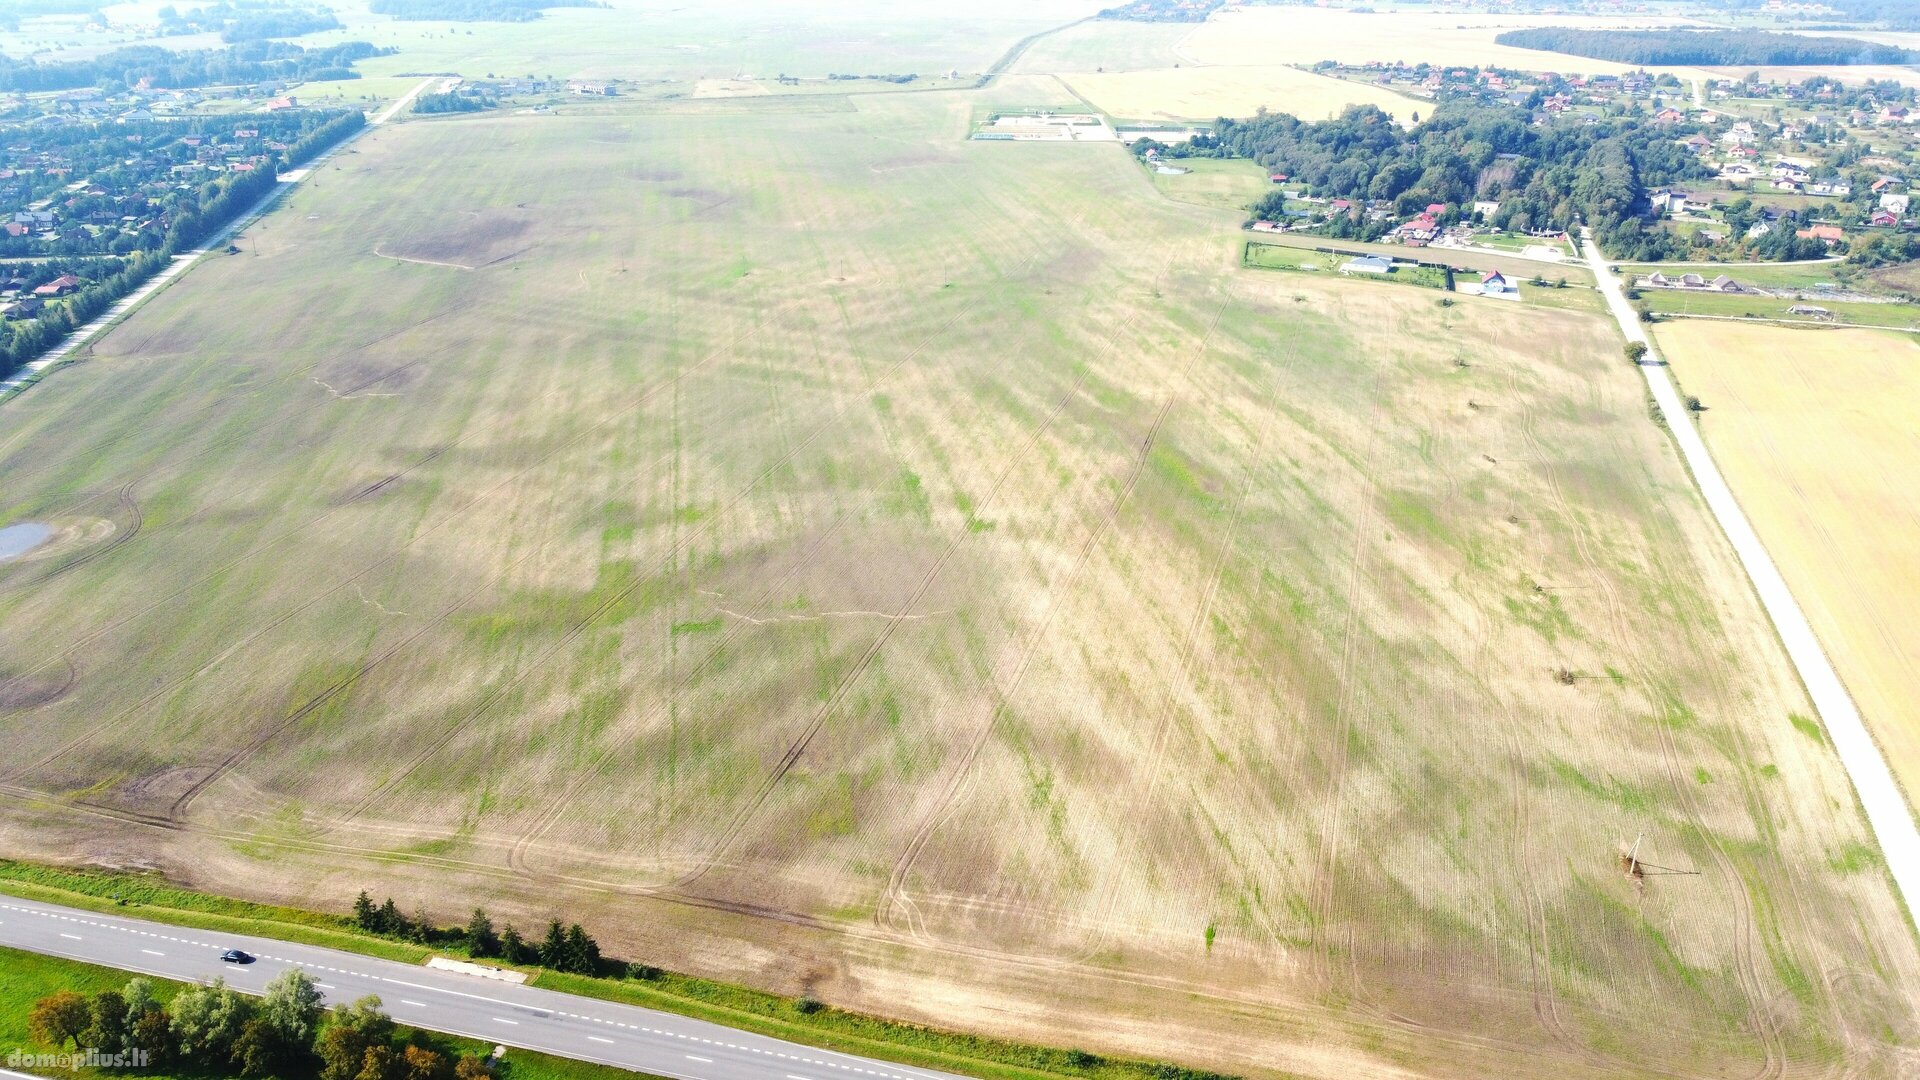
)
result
[(1854, 857), (1809, 727)]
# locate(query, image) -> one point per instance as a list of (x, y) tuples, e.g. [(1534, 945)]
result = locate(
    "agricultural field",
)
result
[(820, 552), (1307, 35), (1815, 431), (1106, 45), (1746, 306), (634, 39), (1223, 183), (1203, 93)]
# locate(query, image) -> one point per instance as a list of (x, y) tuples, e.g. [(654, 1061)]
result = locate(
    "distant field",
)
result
[(1816, 431), (1204, 93), (819, 552), (1104, 44), (1307, 35), (1769, 307)]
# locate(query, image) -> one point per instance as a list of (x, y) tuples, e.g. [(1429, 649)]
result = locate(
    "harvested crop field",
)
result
[(1816, 432), (935, 576), (1203, 93), (1307, 35)]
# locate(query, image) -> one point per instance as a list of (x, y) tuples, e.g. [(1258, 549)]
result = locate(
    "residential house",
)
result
[(1832, 234), (64, 285), (23, 309), (1896, 203), (1494, 283), (1366, 264), (1418, 232), (1486, 209), (1885, 219)]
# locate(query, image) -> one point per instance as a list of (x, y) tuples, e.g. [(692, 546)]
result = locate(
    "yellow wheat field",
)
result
[(1203, 93), (1816, 432), (1308, 35)]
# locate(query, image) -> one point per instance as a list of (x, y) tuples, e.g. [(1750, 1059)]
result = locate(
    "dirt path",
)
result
[(1886, 808)]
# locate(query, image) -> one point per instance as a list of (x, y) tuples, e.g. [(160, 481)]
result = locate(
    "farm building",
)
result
[(1367, 264)]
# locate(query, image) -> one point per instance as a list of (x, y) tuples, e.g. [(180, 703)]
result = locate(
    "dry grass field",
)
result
[(1203, 93), (1256, 36), (815, 550), (1816, 431)]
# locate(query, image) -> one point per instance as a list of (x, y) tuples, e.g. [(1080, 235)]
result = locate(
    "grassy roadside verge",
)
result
[(26, 977), (150, 896)]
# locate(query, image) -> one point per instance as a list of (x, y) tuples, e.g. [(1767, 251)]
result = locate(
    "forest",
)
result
[(1706, 48), (251, 62), (247, 20)]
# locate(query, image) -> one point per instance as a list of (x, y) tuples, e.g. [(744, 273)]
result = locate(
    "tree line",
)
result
[(432, 104), (1550, 177), (248, 20), (249, 62), (284, 1035), (564, 948), (1705, 47)]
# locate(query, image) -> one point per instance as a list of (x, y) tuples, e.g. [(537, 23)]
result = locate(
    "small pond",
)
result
[(17, 540)]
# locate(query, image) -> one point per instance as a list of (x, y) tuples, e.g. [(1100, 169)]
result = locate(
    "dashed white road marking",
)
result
[(798, 1058), (596, 1038)]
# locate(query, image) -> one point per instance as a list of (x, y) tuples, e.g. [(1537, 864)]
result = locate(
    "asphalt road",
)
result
[(1886, 807), (624, 1036)]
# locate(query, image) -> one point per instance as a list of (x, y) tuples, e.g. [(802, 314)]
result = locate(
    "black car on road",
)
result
[(235, 956)]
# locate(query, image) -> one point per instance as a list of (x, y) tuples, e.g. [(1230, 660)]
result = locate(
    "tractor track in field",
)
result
[(592, 617), (1330, 815), (864, 931), (1747, 971), (560, 804), (997, 698), (226, 765), (304, 528), (798, 746), (1519, 841), (135, 519), (1162, 721)]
